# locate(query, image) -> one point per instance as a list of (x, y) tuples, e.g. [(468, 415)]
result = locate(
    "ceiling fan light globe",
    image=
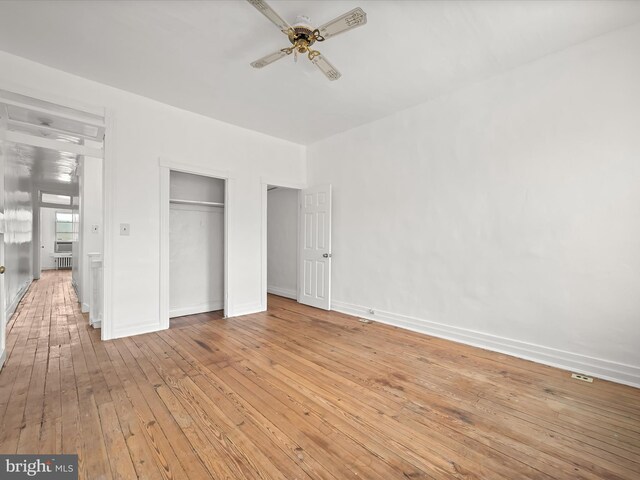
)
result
[(303, 21)]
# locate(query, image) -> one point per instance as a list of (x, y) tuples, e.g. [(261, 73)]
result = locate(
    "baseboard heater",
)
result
[(63, 262)]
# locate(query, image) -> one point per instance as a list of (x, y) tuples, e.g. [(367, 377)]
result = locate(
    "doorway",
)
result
[(43, 147), (196, 244), (307, 212), (282, 241), (56, 239)]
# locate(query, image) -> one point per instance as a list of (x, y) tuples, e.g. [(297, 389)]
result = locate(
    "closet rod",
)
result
[(196, 202)]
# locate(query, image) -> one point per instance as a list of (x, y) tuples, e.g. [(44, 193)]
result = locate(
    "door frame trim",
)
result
[(167, 165), (264, 183)]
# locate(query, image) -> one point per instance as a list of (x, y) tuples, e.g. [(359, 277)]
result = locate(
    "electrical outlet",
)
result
[(372, 311), (124, 229), (584, 378)]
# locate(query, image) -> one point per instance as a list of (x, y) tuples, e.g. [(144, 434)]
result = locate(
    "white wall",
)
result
[(196, 259), (18, 210), (186, 186), (47, 238), (282, 242), (141, 131), (90, 217), (506, 214)]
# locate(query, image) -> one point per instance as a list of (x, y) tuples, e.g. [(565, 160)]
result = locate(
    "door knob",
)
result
[(326, 255), (2, 269)]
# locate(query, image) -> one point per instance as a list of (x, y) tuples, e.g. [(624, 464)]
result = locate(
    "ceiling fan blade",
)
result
[(268, 59), (264, 8), (329, 70), (343, 23)]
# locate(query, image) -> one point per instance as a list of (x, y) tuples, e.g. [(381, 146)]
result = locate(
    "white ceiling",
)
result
[(196, 55), (50, 170)]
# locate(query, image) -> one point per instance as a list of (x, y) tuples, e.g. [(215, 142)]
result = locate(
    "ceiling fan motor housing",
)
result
[(302, 35)]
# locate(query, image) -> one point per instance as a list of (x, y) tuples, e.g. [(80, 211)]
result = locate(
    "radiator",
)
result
[(63, 262)]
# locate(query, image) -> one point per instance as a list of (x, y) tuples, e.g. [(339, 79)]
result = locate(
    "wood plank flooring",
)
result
[(298, 393)]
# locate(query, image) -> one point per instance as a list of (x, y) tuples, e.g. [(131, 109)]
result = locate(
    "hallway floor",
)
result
[(298, 393)]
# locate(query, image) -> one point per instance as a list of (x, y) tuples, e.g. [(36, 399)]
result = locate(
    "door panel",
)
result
[(3, 320), (320, 280), (315, 247)]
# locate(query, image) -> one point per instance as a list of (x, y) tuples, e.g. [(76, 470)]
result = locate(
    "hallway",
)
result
[(297, 393)]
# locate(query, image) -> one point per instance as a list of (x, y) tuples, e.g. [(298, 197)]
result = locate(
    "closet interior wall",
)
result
[(196, 244)]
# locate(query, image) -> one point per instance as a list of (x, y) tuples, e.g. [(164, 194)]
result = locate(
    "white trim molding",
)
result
[(135, 330), (195, 309), (3, 357), (245, 309), (283, 292), (574, 362), (109, 229), (11, 307), (26, 139)]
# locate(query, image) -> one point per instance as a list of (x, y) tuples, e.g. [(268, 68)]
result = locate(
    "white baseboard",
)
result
[(136, 330), (282, 292), (574, 362), (97, 324), (85, 308), (11, 307), (192, 310), (3, 357), (245, 309)]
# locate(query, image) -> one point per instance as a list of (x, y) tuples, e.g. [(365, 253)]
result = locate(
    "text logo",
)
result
[(46, 467)]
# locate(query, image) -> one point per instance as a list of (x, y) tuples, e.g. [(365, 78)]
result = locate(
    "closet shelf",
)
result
[(196, 202)]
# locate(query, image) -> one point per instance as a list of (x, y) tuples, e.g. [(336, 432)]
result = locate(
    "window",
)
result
[(64, 232)]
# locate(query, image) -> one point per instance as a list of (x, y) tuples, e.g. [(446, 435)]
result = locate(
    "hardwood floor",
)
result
[(298, 393)]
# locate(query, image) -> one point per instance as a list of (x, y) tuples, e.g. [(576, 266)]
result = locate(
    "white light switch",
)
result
[(124, 229), (94, 228)]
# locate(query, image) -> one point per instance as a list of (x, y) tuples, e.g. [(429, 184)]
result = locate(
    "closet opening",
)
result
[(196, 245)]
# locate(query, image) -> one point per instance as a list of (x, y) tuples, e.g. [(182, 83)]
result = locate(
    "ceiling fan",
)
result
[(302, 35)]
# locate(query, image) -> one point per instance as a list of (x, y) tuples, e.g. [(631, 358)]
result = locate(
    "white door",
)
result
[(315, 247), (3, 320)]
